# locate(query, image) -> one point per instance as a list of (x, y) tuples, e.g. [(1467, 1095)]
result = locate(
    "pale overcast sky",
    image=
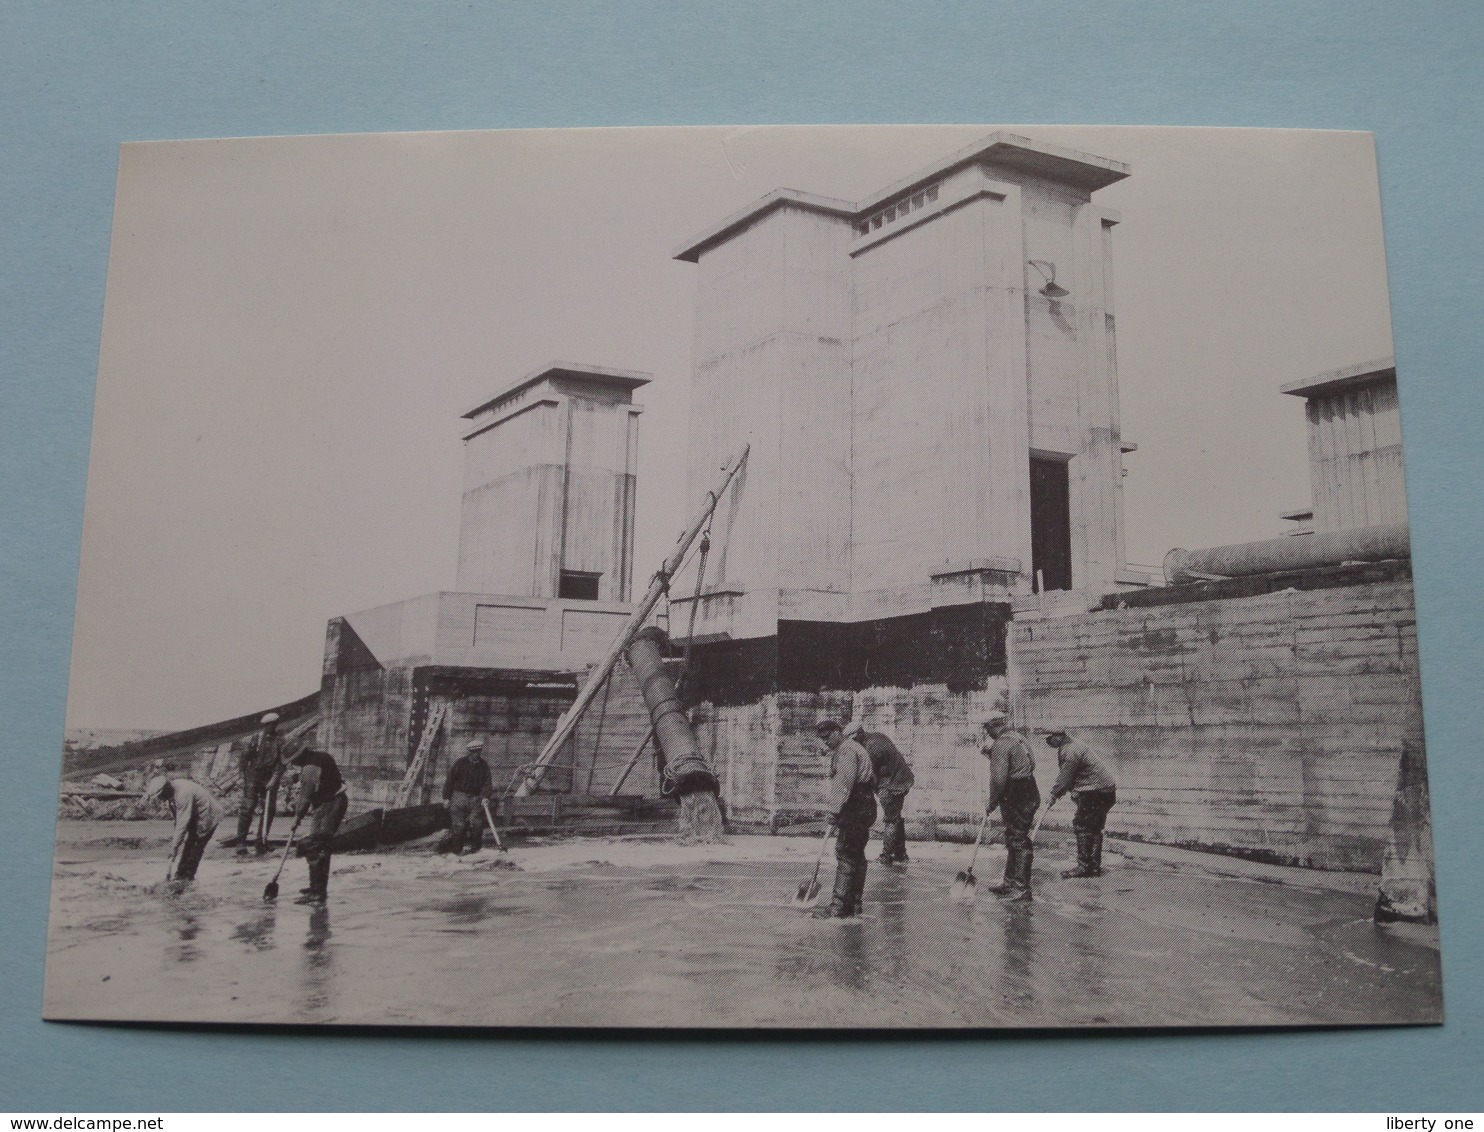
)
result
[(293, 325)]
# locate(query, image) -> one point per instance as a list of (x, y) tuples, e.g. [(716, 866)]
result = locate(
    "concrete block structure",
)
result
[(928, 380), (930, 525), (549, 479), (545, 568), (1267, 717), (1355, 447)]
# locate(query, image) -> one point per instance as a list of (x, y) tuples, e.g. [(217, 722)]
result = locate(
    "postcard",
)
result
[(834, 578)]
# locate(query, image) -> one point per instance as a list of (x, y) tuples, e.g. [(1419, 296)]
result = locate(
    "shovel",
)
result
[(270, 891), (962, 888), (500, 845), (808, 894)]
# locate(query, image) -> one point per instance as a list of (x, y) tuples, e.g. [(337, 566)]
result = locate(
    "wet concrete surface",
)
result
[(613, 933)]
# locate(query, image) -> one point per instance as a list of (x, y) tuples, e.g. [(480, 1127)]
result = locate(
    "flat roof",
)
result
[(1327, 382), (1007, 150), (601, 377), (778, 198), (1012, 151)]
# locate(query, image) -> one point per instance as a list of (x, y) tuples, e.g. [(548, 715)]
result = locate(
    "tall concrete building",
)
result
[(549, 476), (928, 379)]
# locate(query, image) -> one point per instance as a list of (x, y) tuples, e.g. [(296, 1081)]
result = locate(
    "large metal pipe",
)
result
[(683, 762), (658, 587), (1293, 552)]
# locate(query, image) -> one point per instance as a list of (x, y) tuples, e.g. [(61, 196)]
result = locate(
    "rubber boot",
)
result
[(858, 891), (244, 824), (1085, 866), (319, 881), (842, 900), (1097, 854), (896, 842), (1018, 875), (1007, 882)]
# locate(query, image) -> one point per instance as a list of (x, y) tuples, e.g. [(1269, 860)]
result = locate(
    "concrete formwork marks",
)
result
[(1272, 723)]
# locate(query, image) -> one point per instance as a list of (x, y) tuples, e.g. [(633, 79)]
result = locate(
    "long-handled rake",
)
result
[(808, 894)]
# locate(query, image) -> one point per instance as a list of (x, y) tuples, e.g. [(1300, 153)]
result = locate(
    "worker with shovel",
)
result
[(195, 814), (1012, 788), (851, 800), (261, 765), (322, 802), (1087, 779), (466, 789)]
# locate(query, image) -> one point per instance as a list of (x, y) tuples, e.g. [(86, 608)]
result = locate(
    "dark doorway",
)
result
[(579, 584), (1051, 525)]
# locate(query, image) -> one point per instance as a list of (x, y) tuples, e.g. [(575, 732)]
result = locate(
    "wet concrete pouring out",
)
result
[(649, 932)]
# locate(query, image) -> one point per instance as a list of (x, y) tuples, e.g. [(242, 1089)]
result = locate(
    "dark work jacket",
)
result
[(470, 775), (331, 781), (1080, 770), (261, 759), (893, 775)]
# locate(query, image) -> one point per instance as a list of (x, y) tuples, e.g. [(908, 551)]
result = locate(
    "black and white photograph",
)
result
[(852, 578)]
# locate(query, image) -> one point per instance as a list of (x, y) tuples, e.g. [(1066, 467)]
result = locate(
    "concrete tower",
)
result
[(1355, 447), (549, 474), (928, 379)]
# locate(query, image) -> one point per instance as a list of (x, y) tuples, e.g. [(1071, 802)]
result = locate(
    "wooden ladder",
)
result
[(424, 749)]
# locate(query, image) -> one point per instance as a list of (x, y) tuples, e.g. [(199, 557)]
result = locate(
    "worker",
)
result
[(196, 815), (322, 801), (262, 765), (894, 779), (1087, 779), (1012, 788), (850, 798), (468, 785)]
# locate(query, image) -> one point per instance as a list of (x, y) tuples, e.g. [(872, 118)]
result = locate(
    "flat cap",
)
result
[(826, 726)]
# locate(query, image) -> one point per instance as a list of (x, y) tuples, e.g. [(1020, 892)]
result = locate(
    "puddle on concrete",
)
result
[(653, 938)]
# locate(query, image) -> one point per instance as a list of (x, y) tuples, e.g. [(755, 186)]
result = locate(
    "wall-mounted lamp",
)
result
[(1048, 273)]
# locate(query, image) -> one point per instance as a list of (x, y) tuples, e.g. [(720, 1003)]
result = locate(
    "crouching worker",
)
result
[(195, 815), (1013, 789), (1086, 778), (467, 787), (318, 809), (850, 798)]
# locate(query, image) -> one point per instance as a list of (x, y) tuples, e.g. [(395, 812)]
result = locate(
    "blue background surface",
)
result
[(78, 79)]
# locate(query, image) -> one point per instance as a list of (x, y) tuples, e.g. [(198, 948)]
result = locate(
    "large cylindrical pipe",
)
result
[(672, 729), (1292, 552)]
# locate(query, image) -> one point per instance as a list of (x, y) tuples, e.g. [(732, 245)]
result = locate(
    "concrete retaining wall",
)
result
[(1270, 725)]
